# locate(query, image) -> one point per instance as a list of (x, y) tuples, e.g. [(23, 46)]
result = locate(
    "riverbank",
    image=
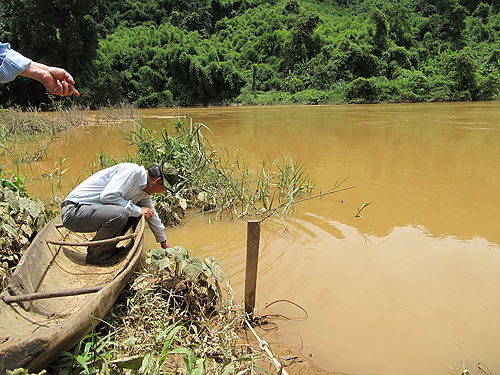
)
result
[(211, 314)]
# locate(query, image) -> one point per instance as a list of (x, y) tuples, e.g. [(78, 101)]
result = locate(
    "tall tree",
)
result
[(56, 32)]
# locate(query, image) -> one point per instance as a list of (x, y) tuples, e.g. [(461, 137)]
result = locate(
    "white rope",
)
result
[(265, 346)]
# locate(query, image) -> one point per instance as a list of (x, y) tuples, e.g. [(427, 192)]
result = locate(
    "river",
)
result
[(412, 286)]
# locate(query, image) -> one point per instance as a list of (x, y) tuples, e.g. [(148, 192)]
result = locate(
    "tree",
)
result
[(303, 46), (380, 33), (55, 32)]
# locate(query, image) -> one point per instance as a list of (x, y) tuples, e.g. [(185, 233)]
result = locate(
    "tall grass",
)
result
[(214, 182), (26, 135)]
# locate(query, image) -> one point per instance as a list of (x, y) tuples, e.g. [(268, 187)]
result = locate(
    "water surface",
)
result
[(410, 288)]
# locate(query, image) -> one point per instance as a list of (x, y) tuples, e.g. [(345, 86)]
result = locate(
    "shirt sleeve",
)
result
[(11, 63), (155, 223), (116, 189)]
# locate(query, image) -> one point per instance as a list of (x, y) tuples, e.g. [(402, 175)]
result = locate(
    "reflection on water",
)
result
[(410, 288)]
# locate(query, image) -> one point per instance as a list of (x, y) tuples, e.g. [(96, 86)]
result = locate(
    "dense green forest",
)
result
[(209, 52)]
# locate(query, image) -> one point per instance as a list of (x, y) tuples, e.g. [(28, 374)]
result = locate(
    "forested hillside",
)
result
[(189, 52)]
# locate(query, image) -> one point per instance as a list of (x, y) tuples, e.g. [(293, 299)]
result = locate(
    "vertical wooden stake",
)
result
[(253, 239)]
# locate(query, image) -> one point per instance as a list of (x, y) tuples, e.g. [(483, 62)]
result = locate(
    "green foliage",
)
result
[(20, 220), (310, 97), (90, 356), (172, 312), (174, 52), (161, 66), (364, 90), (187, 266), (55, 32)]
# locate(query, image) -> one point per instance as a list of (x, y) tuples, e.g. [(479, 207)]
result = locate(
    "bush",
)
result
[(156, 99), (363, 90), (411, 86), (310, 97), (489, 86)]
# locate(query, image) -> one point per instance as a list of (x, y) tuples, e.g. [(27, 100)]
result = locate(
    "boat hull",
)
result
[(32, 333)]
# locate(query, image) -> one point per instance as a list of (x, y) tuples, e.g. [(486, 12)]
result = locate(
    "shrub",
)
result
[(310, 97), (411, 85), (363, 90), (489, 86)]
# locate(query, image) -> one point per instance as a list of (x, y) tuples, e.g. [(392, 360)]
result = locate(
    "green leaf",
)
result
[(193, 268), (189, 358), (147, 363), (168, 342), (83, 361), (179, 253), (7, 228), (154, 256), (199, 368), (164, 263), (215, 267)]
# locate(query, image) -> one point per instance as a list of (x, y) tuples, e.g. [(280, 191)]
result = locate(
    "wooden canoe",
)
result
[(33, 332)]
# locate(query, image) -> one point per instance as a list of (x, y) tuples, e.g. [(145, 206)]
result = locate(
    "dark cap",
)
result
[(169, 175)]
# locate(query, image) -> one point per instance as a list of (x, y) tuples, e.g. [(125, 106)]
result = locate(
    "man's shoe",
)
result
[(100, 262), (120, 252)]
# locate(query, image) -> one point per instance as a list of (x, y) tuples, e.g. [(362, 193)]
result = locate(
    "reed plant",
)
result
[(25, 134), (211, 181), (120, 112)]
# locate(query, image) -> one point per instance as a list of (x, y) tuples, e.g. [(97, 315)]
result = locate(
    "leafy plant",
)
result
[(20, 219), (168, 314), (90, 356), (181, 265)]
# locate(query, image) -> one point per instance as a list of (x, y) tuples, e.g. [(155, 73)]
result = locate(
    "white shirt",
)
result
[(122, 185)]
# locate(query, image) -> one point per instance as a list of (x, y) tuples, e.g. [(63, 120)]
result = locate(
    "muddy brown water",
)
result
[(413, 286)]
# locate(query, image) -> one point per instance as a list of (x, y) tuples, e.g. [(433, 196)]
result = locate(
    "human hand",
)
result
[(57, 81), (147, 212), (165, 245)]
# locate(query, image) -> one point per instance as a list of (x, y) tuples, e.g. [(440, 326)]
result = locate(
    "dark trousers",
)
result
[(107, 221)]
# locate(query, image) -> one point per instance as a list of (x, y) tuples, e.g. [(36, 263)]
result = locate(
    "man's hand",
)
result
[(57, 81), (165, 245), (147, 212)]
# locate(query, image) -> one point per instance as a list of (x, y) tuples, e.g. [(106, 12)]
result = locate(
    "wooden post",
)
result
[(253, 239)]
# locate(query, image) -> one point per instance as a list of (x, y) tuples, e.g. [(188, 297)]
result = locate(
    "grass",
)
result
[(25, 136)]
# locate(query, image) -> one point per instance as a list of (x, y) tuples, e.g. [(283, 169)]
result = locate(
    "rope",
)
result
[(265, 346)]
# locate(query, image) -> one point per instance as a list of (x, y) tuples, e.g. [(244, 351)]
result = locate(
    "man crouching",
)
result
[(112, 200)]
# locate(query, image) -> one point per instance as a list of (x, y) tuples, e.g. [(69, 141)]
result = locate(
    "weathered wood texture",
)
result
[(253, 240)]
